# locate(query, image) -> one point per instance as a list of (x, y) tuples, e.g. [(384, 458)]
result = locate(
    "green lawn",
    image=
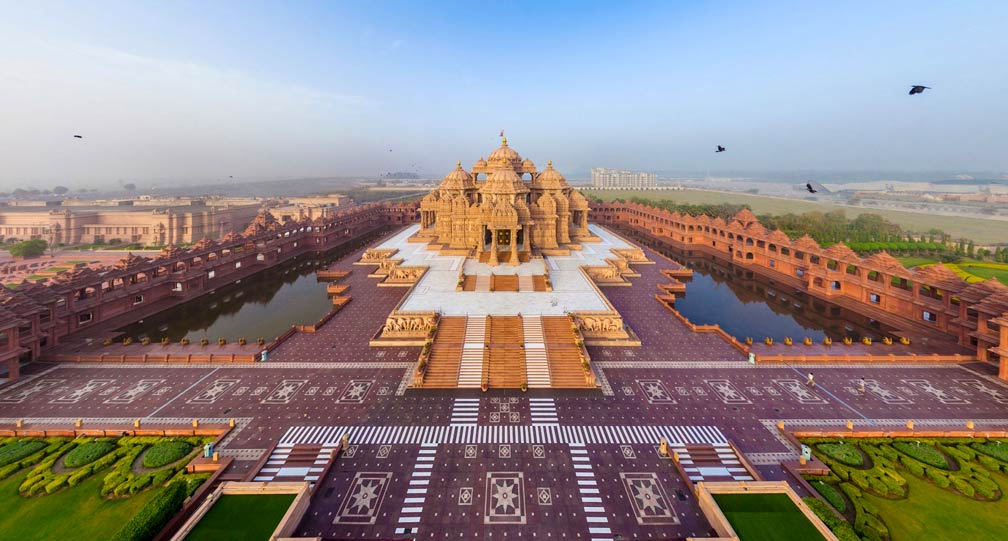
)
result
[(934, 513), (766, 517), (910, 261), (986, 273), (981, 230), (75, 513), (242, 517)]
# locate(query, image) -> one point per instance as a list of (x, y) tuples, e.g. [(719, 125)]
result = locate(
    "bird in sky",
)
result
[(720, 149), (808, 186), (78, 136), (918, 89)]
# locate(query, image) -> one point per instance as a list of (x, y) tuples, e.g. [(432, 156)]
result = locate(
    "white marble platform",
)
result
[(571, 290)]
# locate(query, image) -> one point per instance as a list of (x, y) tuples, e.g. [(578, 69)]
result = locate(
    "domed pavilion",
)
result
[(504, 210)]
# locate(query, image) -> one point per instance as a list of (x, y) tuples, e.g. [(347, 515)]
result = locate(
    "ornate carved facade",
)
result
[(504, 210)]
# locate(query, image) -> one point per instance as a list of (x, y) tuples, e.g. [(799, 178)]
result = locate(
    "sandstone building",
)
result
[(504, 210)]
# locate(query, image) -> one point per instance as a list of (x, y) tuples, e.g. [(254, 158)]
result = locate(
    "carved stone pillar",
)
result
[(493, 248), (514, 248)]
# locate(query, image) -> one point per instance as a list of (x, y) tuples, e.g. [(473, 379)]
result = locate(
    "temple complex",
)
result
[(504, 211)]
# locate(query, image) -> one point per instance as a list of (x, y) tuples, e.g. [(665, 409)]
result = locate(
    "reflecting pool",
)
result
[(746, 304), (263, 305)]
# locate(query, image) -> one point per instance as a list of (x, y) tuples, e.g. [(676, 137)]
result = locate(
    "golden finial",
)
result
[(504, 141), (549, 163), (458, 163)]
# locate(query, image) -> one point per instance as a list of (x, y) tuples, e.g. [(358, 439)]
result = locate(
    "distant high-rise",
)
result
[(621, 178)]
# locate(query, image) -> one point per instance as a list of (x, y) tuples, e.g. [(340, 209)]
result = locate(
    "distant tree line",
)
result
[(867, 233)]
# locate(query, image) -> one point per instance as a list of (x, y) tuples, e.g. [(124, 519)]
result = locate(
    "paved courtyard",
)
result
[(506, 464)]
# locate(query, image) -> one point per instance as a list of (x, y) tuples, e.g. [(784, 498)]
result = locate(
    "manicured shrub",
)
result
[(55, 484), (17, 450), (991, 462), (87, 453), (841, 528), (154, 515), (940, 478), (842, 452), (923, 452), (10, 469), (963, 486), (166, 452), (831, 494), (78, 475), (996, 449)]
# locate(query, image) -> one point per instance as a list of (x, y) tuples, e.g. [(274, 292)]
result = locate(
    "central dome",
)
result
[(504, 153)]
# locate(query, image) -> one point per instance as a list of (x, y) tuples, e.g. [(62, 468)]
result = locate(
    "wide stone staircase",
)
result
[(470, 372), (504, 352), (507, 357), (482, 282), (504, 282), (446, 353), (525, 283), (563, 353), (537, 372)]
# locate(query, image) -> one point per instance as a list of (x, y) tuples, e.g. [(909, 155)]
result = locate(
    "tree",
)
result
[(129, 187), (28, 248), (60, 190), (970, 249)]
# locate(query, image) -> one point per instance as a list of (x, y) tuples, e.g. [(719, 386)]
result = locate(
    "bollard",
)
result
[(19, 423), (78, 423), (345, 440), (910, 425), (216, 456), (231, 423), (136, 423), (969, 425), (802, 460), (850, 425), (195, 423), (780, 425), (663, 447)]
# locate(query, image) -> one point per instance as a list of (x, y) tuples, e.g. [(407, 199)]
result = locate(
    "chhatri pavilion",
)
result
[(504, 210)]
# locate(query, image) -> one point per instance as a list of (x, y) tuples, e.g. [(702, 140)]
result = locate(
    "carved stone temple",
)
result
[(504, 204)]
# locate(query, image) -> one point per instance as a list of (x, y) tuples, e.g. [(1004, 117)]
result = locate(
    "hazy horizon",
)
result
[(192, 92)]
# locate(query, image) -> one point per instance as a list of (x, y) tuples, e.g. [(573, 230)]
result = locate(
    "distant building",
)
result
[(621, 178)]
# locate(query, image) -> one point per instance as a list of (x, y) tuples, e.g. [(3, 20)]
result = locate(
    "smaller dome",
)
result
[(480, 163), (550, 179), (458, 179)]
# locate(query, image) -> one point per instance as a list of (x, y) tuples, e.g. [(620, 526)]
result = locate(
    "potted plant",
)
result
[(127, 341), (768, 341), (827, 341), (866, 341), (261, 341), (748, 340), (848, 341), (222, 341), (808, 341), (524, 386), (184, 341), (904, 340), (165, 341), (787, 341), (242, 341), (107, 342), (204, 341)]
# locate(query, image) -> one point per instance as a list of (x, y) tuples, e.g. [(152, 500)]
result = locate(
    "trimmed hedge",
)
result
[(841, 528), (831, 494), (16, 450), (996, 449), (87, 453), (153, 516), (842, 452), (166, 452), (923, 452)]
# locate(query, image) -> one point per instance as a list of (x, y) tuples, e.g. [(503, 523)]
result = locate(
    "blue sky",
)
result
[(197, 91)]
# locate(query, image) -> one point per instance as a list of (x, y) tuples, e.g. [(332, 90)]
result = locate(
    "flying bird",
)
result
[(808, 186), (918, 89), (719, 149), (78, 136)]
